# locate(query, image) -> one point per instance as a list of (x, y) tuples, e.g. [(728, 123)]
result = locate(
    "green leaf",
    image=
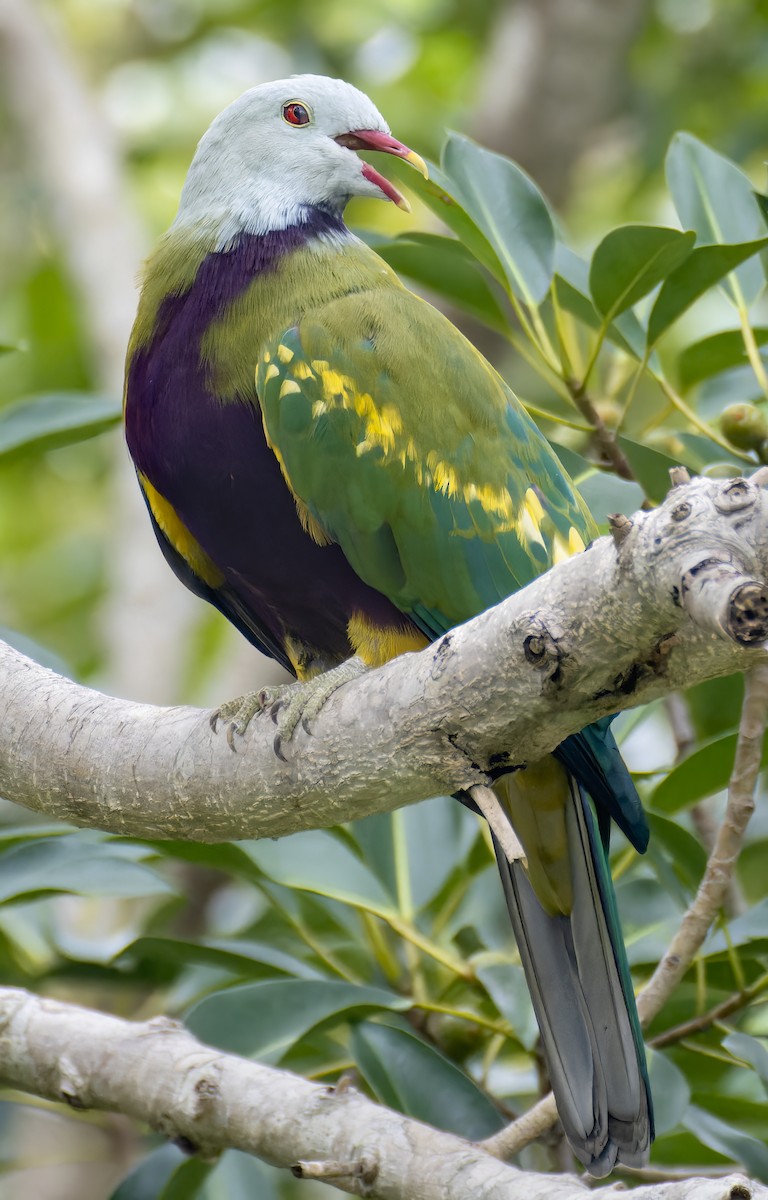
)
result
[(441, 195), (317, 861), (718, 352), (505, 984), (264, 1020), (686, 854), (413, 1077), (445, 266), (164, 1174), (240, 1176), (752, 1050), (435, 835), (733, 1143), (508, 208), (651, 467), (670, 1091), (714, 197), (571, 284), (704, 267), (243, 958), (74, 864), (749, 930), (42, 422), (704, 772), (630, 261)]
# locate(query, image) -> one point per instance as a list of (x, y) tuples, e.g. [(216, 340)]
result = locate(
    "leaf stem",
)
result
[(502, 1028), (753, 352)]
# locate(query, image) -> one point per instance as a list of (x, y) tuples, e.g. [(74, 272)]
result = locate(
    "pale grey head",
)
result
[(284, 148)]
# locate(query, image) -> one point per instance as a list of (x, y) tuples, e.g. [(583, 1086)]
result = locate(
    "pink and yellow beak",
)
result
[(374, 139)]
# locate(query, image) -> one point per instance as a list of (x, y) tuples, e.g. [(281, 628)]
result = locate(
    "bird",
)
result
[(332, 465)]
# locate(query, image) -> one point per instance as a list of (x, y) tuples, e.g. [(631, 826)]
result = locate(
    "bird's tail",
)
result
[(575, 964)]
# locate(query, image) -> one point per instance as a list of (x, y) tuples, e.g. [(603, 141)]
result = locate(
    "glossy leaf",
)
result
[(651, 466), (704, 772), (413, 1077), (711, 355), (446, 267), (74, 865), (264, 1020), (505, 984), (164, 1174), (714, 197), (630, 261), (241, 957), (670, 1091), (571, 285), (441, 195), (42, 422), (685, 852), (729, 1141), (317, 861), (239, 1176), (510, 211), (704, 267), (752, 1050)]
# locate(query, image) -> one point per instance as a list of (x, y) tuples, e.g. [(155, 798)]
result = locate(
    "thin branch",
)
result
[(726, 1008), (606, 440), (696, 923), (158, 1073), (713, 888)]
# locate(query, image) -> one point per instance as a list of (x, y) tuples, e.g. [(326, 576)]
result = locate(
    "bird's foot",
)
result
[(288, 703)]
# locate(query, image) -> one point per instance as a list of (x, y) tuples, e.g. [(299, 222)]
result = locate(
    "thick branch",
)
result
[(676, 596), (159, 1073)]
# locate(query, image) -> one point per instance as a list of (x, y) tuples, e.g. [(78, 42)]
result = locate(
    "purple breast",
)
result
[(210, 461)]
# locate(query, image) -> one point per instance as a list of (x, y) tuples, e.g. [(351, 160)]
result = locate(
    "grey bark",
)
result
[(159, 1073), (676, 596)]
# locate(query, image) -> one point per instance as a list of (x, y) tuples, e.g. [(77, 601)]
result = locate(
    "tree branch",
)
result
[(158, 1073), (674, 598)]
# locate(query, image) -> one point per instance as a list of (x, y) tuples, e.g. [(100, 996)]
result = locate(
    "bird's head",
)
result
[(285, 147)]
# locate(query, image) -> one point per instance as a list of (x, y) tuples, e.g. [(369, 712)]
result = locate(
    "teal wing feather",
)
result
[(410, 452)]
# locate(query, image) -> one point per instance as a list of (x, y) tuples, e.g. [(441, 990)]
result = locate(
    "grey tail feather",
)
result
[(596, 1065)]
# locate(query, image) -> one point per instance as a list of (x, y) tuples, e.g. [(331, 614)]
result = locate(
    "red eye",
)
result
[(296, 113)]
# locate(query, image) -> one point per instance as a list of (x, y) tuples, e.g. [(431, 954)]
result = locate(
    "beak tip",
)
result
[(418, 162)]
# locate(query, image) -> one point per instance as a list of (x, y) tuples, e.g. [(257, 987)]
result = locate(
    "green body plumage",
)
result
[(412, 492)]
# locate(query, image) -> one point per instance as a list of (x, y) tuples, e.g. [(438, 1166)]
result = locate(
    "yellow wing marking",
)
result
[(562, 549), (284, 353), (180, 537), (376, 645), (383, 430)]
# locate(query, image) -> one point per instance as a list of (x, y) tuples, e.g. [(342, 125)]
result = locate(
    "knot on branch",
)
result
[(543, 651), (747, 619)]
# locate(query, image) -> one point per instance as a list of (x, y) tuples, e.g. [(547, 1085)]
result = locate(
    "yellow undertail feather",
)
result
[(376, 645), (180, 537)]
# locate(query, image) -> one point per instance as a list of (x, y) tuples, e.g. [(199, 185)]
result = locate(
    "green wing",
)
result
[(411, 453)]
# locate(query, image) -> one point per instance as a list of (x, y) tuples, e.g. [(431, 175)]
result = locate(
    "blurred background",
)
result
[(101, 105)]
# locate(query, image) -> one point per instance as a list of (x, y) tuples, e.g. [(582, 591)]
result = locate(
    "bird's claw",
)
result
[(288, 704)]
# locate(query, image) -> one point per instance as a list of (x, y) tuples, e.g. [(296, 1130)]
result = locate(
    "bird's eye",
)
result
[(296, 113)]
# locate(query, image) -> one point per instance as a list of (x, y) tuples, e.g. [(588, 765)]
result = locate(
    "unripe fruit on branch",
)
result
[(744, 425)]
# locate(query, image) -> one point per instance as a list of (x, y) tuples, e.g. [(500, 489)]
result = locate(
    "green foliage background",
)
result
[(383, 947)]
